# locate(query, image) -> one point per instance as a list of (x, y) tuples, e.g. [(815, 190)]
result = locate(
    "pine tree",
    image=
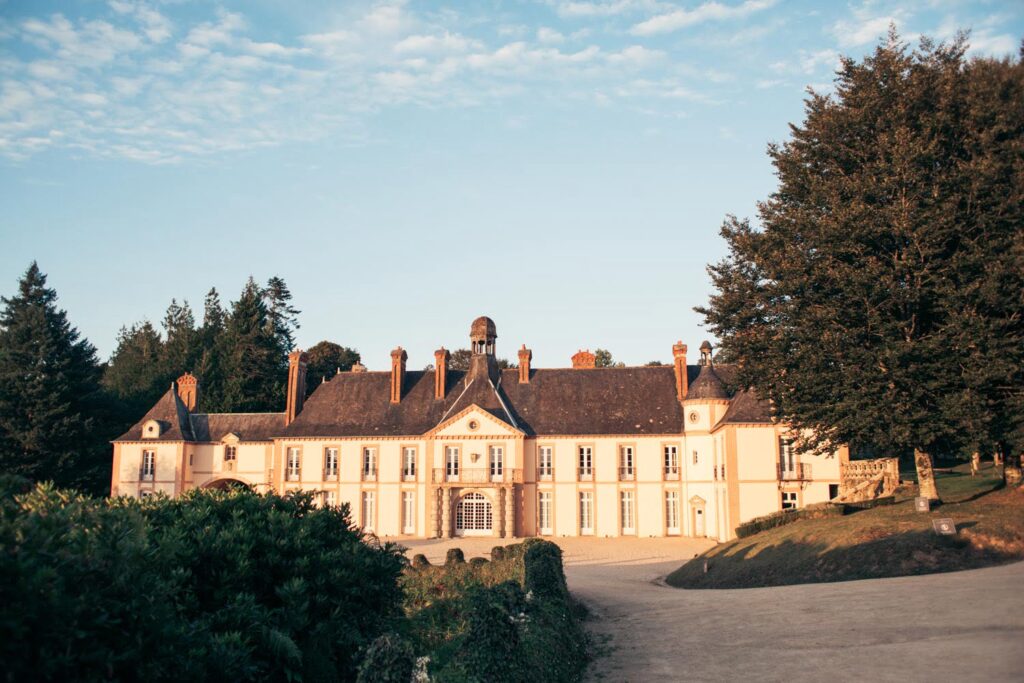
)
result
[(282, 317), (49, 392), (135, 375), (255, 365), (842, 310), (181, 350), (210, 355)]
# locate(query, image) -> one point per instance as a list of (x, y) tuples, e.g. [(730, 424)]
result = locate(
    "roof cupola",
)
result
[(705, 353)]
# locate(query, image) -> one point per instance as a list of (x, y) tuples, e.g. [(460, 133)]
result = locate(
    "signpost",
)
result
[(921, 504), (944, 527)]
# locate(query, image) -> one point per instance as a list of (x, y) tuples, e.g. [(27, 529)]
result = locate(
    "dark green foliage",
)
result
[(214, 585), (603, 359), (54, 418), (498, 552), (388, 659), (181, 350), (419, 561), (491, 647), (477, 561), (135, 374), (325, 360), (459, 360), (882, 303), (544, 576), (255, 364), (282, 317), (784, 517), (454, 556)]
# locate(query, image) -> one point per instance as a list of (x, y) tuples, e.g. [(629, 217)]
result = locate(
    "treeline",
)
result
[(60, 405)]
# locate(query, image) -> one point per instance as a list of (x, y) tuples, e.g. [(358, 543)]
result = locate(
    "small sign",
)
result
[(921, 504), (944, 527)]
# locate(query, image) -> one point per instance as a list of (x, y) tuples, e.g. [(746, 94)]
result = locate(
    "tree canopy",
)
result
[(324, 360), (880, 302)]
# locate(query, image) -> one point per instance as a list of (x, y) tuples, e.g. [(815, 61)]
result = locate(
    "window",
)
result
[(451, 463), (586, 463), (789, 500), (545, 464), (369, 507), (672, 513), (330, 499), (330, 464), (230, 453), (143, 495), (369, 464), (294, 464), (586, 513), (695, 457), (626, 472), (409, 463), (148, 465), (408, 512), (496, 457), (626, 512), (787, 462), (544, 513), (671, 462)]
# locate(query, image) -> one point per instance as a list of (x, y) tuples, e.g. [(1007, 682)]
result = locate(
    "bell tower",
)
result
[(482, 362)]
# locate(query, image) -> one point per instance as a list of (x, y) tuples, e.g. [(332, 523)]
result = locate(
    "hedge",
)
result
[(784, 517)]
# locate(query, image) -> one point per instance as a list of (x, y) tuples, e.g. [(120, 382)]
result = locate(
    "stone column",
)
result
[(510, 520), (499, 514), (446, 513)]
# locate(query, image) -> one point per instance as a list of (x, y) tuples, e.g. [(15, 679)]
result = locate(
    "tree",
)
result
[(326, 359), (841, 309), (181, 349), (135, 374), (654, 364), (603, 359), (255, 364), (49, 392), (210, 356), (459, 360), (282, 317)]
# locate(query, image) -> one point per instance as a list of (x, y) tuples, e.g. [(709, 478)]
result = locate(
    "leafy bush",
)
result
[(477, 562), (249, 586), (420, 561), (389, 659), (784, 517), (544, 575), (454, 556), (498, 552)]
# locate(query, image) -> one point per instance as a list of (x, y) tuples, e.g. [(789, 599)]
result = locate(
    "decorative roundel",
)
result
[(694, 416), (473, 425)]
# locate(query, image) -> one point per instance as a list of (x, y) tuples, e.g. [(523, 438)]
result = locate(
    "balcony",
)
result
[(671, 474), (330, 475), (146, 476), (291, 476), (369, 475), (477, 475), (545, 474), (800, 472), (585, 474), (408, 476), (627, 474)]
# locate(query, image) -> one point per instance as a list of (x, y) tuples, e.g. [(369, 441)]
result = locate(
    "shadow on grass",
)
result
[(790, 562)]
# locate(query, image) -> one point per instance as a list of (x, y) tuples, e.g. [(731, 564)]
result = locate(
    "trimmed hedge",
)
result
[(389, 659), (454, 556), (784, 517)]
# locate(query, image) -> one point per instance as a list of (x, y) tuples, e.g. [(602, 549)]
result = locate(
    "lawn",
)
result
[(891, 540)]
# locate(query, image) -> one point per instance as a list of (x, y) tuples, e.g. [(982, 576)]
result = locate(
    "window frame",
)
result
[(545, 473), (585, 473), (626, 472), (407, 474), (670, 472), (331, 473), (367, 473), (147, 472), (293, 473)]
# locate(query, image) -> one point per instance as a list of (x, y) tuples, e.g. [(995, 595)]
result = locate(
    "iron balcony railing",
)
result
[(799, 472), (627, 474)]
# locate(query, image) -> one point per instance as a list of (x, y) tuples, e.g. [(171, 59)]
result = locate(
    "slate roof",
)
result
[(747, 408), (707, 386), (177, 425)]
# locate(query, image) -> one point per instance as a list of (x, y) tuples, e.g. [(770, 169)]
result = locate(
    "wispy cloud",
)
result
[(709, 11)]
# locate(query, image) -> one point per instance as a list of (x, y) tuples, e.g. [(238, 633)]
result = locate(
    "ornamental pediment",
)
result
[(474, 421)]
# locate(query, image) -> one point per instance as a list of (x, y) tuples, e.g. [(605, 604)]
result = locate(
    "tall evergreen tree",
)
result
[(282, 317), (49, 392), (210, 356), (181, 350), (135, 375), (841, 310), (255, 365)]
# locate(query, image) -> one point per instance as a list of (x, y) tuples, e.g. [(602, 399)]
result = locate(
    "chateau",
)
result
[(637, 451)]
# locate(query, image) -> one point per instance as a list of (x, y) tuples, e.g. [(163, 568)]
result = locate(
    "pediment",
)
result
[(697, 500), (474, 421), (230, 438)]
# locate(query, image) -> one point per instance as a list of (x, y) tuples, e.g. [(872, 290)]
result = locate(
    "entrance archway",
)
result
[(226, 484), (474, 516)]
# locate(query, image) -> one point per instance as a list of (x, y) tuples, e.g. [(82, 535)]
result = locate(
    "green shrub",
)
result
[(229, 585), (420, 561), (454, 556), (388, 659), (544, 577), (498, 553), (784, 517), (477, 562)]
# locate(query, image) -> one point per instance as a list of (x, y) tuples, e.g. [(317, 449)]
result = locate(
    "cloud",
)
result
[(446, 42), (862, 31), (709, 11), (604, 9), (549, 35)]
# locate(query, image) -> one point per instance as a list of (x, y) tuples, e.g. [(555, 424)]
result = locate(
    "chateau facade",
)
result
[(633, 451)]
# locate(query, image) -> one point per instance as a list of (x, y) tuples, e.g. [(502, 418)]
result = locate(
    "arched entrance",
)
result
[(226, 484), (474, 516)]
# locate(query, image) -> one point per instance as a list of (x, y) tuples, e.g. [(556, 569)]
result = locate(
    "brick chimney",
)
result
[(398, 358), (584, 360), (188, 391), (441, 357), (679, 366), (296, 386), (525, 356)]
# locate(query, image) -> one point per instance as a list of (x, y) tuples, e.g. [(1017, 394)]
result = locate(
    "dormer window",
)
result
[(151, 429), (230, 453)]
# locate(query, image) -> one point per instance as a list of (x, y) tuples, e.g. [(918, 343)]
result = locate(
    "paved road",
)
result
[(965, 626)]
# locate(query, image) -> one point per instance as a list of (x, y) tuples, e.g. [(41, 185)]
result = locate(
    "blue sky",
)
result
[(563, 167)]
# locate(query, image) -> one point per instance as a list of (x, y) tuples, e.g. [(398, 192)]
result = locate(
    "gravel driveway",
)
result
[(964, 626)]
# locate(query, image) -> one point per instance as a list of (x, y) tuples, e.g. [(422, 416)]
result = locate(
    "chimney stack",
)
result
[(296, 386), (525, 356), (398, 358), (358, 367), (584, 360), (188, 391), (441, 357), (679, 366)]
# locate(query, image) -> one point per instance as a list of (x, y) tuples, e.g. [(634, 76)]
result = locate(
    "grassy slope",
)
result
[(884, 541)]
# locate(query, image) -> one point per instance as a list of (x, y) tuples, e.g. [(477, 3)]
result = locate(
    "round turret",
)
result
[(482, 334)]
